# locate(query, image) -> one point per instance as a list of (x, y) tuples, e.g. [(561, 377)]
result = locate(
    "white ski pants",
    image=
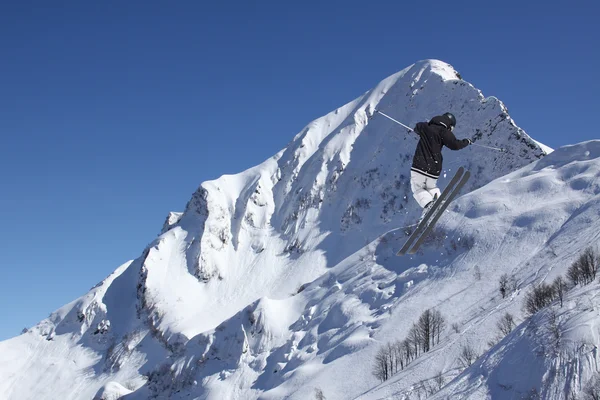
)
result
[(423, 188)]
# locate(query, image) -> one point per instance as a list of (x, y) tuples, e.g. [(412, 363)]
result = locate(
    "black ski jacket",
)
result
[(434, 135)]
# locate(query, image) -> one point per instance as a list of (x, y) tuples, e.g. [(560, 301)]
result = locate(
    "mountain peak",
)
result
[(281, 270), (446, 71)]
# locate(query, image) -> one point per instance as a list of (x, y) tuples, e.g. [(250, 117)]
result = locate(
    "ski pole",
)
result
[(398, 122), (410, 129), (489, 147)]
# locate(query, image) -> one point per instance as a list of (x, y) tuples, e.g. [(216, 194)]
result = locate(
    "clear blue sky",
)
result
[(113, 112)]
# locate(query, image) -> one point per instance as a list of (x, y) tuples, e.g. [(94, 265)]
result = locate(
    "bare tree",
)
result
[(402, 356), (429, 327), (389, 359), (425, 328), (493, 341), (591, 260), (506, 324), (559, 288), (456, 327), (395, 356), (503, 285), (467, 356), (319, 394), (439, 324), (381, 368), (575, 274), (407, 349), (539, 297), (393, 360), (585, 268), (415, 339)]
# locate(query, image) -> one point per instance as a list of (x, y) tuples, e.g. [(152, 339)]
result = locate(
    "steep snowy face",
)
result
[(341, 182), (553, 355), (530, 225), (219, 304)]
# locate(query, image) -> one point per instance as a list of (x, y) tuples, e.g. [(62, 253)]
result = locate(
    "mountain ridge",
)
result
[(199, 310)]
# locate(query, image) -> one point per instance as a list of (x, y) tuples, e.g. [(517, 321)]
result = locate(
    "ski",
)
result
[(423, 224), (440, 211)]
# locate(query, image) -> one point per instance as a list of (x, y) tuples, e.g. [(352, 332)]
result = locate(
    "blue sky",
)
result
[(112, 113)]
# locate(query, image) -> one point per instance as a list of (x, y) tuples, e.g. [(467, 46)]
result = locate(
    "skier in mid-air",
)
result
[(425, 171), (427, 162)]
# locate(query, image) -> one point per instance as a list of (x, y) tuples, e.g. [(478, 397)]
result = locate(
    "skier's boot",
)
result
[(427, 208), (425, 211)]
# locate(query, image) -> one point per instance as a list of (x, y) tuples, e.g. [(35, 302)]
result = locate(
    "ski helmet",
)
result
[(451, 118)]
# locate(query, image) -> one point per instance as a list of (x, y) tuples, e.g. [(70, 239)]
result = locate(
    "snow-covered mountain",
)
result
[(282, 280), (531, 224)]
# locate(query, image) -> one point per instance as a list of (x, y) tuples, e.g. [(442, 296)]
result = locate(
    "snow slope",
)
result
[(531, 224), (281, 279)]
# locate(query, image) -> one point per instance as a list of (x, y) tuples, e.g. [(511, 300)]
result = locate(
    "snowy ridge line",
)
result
[(283, 278)]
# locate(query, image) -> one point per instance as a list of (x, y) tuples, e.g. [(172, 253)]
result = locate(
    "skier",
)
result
[(427, 162)]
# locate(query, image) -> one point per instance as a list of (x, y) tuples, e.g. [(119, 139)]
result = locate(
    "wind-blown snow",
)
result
[(283, 279)]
